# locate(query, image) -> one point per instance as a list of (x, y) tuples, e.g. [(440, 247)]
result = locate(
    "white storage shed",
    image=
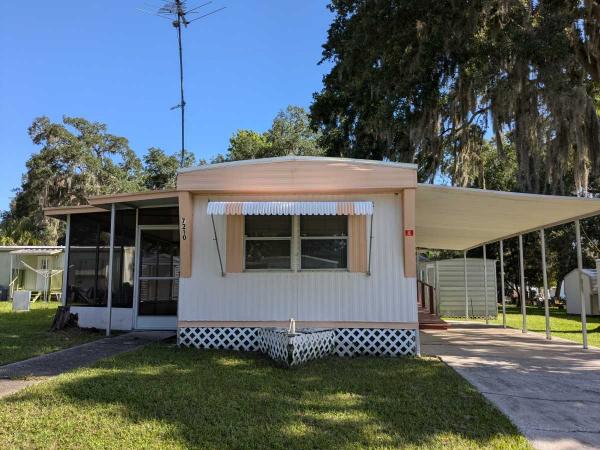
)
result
[(448, 278), (590, 291)]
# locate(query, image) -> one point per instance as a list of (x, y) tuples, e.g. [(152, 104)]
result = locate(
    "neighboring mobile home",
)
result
[(32, 268), (243, 246)]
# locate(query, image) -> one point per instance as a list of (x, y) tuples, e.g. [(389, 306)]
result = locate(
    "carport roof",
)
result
[(452, 218)]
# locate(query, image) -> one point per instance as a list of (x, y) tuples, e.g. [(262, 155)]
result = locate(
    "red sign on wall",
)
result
[(409, 233)]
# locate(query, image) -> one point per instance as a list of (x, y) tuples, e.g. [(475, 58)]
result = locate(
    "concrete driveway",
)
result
[(549, 389)]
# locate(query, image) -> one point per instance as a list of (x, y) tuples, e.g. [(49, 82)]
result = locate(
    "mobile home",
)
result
[(33, 268), (249, 245), (245, 246)]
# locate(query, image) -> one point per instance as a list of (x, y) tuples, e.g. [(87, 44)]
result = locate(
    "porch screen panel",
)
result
[(124, 259), (87, 274), (167, 215), (88, 260)]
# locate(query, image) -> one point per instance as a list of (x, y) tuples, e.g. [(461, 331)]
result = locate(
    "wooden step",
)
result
[(429, 321), (433, 326)]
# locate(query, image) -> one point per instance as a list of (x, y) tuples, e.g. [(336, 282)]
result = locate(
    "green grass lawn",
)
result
[(165, 397), (25, 334), (567, 326)]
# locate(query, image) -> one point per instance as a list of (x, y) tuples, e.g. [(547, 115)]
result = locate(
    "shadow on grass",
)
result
[(26, 334), (229, 399), (589, 330)]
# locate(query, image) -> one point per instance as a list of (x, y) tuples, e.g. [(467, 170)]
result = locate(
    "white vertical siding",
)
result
[(385, 296), (4, 268), (97, 317)]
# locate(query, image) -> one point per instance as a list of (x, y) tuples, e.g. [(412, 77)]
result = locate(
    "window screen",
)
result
[(159, 216), (323, 242), (267, 242)]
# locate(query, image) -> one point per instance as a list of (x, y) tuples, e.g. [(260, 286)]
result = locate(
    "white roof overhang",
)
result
[(166, 197), (290, 208), (298, 175), (36, 251), (452, 218)]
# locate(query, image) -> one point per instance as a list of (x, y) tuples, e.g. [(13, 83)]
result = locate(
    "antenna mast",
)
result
[(180, 20), (177, 11)]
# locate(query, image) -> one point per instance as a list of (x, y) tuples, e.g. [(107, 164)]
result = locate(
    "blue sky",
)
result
[(106, 61)]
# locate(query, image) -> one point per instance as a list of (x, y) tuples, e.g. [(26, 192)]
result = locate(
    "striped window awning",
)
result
[(290, 208)]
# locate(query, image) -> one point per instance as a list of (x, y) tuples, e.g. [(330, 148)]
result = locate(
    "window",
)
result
[(323, 242), (268, 242)]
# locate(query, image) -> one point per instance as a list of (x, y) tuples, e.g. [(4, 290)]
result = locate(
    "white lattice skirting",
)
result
[(245, 339), (346, 341), (375, 342), (296, 349)]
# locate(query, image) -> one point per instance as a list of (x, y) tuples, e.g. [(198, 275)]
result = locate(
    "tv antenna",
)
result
[(177, 13)]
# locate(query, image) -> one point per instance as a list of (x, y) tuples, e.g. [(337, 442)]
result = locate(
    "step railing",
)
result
[(426, 296)]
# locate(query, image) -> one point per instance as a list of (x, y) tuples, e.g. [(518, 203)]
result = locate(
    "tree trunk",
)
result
[(63, 319)]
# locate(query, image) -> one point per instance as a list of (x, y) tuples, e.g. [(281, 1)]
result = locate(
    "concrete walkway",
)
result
[(19, 375), (549, 389)]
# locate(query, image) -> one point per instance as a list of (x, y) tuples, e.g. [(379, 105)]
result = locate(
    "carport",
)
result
[(460, 219)]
